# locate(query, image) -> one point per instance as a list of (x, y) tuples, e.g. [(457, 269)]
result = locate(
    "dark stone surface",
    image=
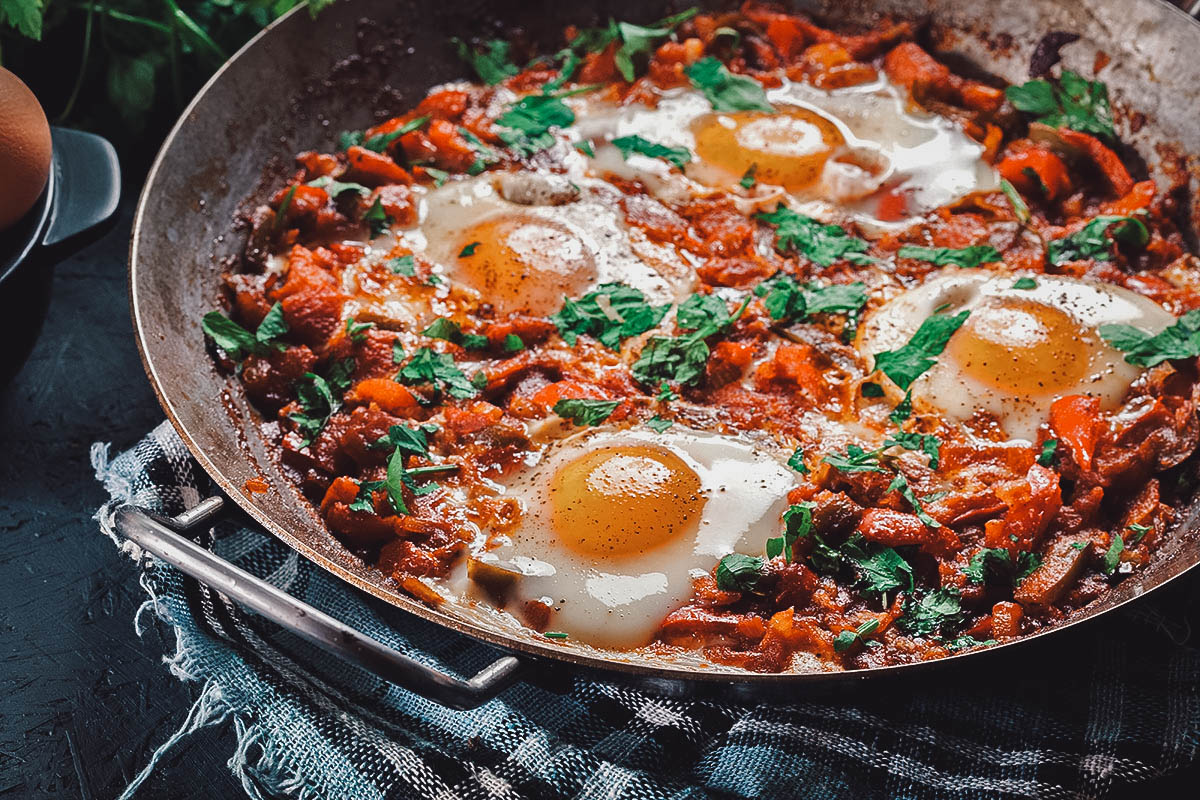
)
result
[(83, 700)]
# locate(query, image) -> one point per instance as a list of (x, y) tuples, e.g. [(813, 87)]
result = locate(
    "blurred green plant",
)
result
[(126, 67)]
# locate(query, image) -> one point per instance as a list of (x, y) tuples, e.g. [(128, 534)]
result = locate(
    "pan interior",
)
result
[(302, 80)]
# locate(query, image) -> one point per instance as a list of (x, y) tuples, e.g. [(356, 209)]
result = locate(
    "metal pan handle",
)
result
[(155, 535)]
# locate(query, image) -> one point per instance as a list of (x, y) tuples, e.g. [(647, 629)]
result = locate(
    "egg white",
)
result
[(947, 388), (620, 602)]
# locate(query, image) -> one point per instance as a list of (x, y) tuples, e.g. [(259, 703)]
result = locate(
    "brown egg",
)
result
[(24, 149)]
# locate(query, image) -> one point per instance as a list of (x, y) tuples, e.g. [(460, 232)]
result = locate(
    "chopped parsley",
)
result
[(1072, 102), (926, 613), (440, 176), (1112, 556), (739, 573), (880, 569), (872, 390), (683, 358), (846, 639), (357, 331), (1020, 209), (923, 442), (512, 343), (410, 440), (628, 145), (996, 564), (393, 484), (556, 635), (1139, 533), (785, 299), (468, 250), (348, 139), (237, 342), (585, 147), (403, 265), (749, 177), (900, 484), (967, 642), (337, 188), (377, 218), (665, 393), (397, 351), (658, 424), (284, 205), (726, 91), (855, 459), (965, 257), (1024, 283), (903, 411), (796, 462), (484, 155), (1092, 240), (492, 64), (528, 123), (911, 361), (427, 366), (319, 398), (583, 411), (797, 523), (1179, 340), (1049, 448), (813, 239), (449, 331), (380, 142), (637, 41), (611, 314)]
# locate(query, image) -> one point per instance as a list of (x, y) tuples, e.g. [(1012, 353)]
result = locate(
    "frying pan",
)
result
[(301, 81)]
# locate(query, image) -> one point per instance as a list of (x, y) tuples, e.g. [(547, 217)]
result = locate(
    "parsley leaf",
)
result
[(726, 91), (426, 366), (410, 440), (611, 314), (377, 218), (530, 120), (996, 563), (1072, 101), (1024, 283), (1179, 340), (468, 250), (699, 310), (739, 573), (679, 156), (238, 342), (320, 398), (335, 188), (449, 331), (1049, 448), (748, 177), (512, 343), (24, 15), (785, 299), (403, 265), (658, 424), (965, 257), (900, 484), (1139, 533), (583, 411), (923, 442), (492, 64), (796, 462), (816, 241), (637, 40), (1020, 209), (911, 361), (855, 459), (903, 411), (683, 358), (379, 142), (797, 522), (1092, 240), (1112, 556), (357, 330), (844, 640), (965, 642), (880, 570), (929, 612)]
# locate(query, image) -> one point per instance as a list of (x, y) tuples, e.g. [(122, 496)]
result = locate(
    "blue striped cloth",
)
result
[(1122, 711)]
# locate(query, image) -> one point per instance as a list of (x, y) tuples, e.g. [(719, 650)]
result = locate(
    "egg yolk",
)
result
[(524, 263), (623, 501), (1022, 347), (787, 149)]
